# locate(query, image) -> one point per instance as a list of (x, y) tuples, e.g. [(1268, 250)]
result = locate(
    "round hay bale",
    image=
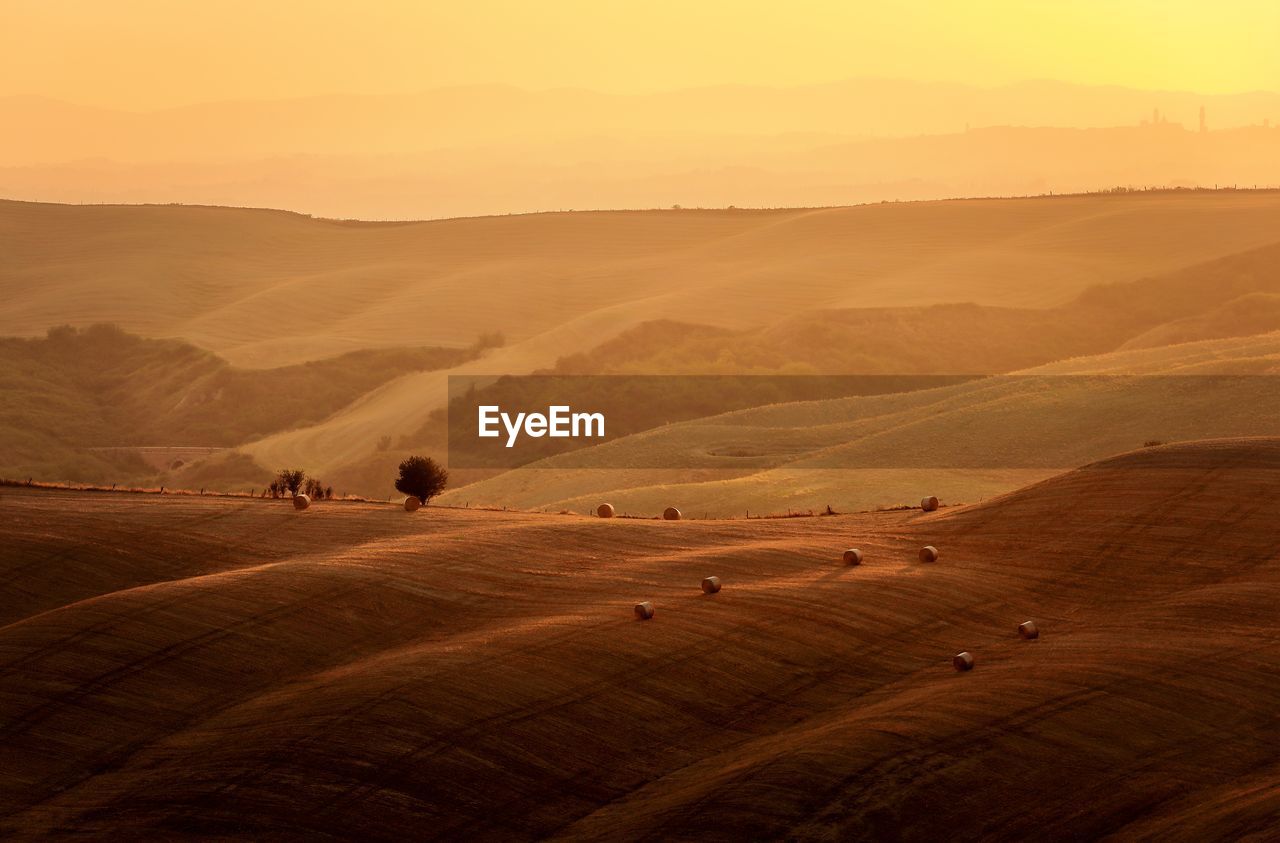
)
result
[(928, 553), (710, 585), (929, 504), (671, 514), (853, 556), (605, 510), (412, 504), (301, 501), (1028, 630), (644, 611), (962, 661)]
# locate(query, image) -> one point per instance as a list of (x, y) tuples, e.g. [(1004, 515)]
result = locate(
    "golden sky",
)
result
[(156, 53)]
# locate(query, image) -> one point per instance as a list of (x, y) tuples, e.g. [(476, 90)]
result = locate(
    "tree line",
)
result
[(420, 477)]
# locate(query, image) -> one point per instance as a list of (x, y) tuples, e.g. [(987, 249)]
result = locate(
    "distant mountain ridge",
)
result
[(443, 117), (493, 149)]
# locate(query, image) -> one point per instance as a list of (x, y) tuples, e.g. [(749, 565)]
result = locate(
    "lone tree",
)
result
[(422, 477), (291, 479)]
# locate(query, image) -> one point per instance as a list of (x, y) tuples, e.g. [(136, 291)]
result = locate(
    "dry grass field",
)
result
[(270, 287), (177, 666), (267, 288), (964, 443), (573, 421)]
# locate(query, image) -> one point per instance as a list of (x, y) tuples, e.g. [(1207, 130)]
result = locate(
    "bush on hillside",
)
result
[(422, 477), (290, 479)]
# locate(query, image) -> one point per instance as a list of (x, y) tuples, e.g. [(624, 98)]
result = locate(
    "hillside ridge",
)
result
[(332, 679)]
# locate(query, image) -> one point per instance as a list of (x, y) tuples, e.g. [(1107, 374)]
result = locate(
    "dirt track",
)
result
[(229, 667)]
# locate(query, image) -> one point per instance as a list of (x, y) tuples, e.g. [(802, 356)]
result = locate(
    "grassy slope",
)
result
[(103, 388), (267, 287), (263, 288), (234, 668), (1225, 297), (969, 423), (1052, 253), (963, 442), (1252, 313)]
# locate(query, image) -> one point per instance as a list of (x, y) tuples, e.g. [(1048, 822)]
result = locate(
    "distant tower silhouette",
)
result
[(1204, 127), (1155, 116)]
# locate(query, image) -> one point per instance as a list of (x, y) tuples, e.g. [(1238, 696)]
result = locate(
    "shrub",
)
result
[(290, 479), (422, 477)]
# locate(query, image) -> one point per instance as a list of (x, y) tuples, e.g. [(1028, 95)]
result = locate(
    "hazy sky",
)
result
[(155, 53)]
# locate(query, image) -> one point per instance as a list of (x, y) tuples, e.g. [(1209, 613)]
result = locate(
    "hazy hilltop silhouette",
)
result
[(481, 114), (497, 149)]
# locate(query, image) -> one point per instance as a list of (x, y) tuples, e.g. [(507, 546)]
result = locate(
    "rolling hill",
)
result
[(963, 442), (1232, 296), (974, 286), (237, 669), (84, 404), (874, 256), (272, 288)]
